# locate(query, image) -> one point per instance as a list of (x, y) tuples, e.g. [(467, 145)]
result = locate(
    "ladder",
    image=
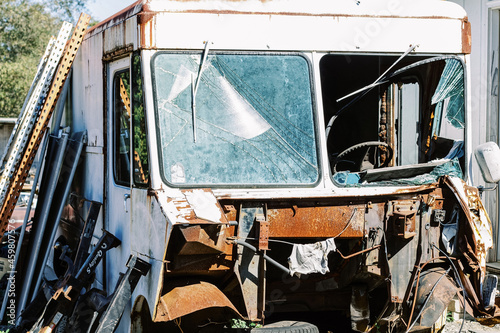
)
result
[(35, 116)]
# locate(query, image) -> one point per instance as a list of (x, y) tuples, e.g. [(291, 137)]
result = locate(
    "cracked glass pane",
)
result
[(253, 115)]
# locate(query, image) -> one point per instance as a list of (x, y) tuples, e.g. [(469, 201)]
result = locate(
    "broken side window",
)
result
[(121, 121), (449, 98), (411, 117), (254, 120), (140, 158)]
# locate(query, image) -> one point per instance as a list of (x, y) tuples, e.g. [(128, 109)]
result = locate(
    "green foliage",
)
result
[(15, 80), (141, 173), (67, 9), (239, 323), (25, 30)]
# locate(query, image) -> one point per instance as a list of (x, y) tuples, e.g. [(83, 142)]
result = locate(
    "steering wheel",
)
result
[(365, 145)]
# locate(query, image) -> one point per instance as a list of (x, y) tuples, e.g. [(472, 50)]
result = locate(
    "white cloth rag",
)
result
[(311, 258)]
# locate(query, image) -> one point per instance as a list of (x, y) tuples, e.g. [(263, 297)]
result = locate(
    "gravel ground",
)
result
[(470, 326)]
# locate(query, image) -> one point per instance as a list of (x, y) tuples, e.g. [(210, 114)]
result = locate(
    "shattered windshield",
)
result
[(404, 126), (253, 119)]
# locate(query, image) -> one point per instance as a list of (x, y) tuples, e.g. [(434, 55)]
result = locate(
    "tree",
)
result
[(68, 10), (25, 29)]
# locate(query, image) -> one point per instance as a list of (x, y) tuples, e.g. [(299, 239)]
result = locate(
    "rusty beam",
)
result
[(316, 222), (466, 36)]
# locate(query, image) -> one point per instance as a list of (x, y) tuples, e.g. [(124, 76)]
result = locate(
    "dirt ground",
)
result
[(470, 326)]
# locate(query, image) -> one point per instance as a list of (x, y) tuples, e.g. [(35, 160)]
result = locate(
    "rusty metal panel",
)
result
[(466, 36), (363, 29), (205, 239), (402, 218), (434, 293), (121, 35), (113, 20), (183, 300), (316, 222), (401, 245), (146, 24), (249, 263), (477, 217), (263, 235)]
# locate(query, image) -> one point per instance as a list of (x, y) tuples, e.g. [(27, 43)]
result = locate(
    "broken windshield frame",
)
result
[(194, 87), (370, 86), (255, 120), (442, 109)]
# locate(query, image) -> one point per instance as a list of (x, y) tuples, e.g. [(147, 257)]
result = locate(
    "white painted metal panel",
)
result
[(87, 91), (402, 8), (275, 32), (121, 35), (131, 32), (149, 232), (156, 181), (117, 204), (114, 38)]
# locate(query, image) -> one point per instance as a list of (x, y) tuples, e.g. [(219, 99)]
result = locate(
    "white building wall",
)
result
[(483, 15)]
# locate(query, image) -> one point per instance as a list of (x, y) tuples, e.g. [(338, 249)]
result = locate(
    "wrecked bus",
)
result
[(287, 164)]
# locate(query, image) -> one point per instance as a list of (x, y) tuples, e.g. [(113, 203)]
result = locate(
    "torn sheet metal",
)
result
[(450, 230), (476, 214), (205, 205), (434, 293), (201, 295), (196, 206)]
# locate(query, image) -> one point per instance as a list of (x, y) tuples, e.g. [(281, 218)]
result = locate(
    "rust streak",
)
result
[(333, 15), (120, 16), (466, 36)]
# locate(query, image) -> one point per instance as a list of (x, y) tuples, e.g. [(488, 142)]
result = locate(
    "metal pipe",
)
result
[(358, 253), (269, 259), (61, 101), (38, 230), (426, 299), (79, 141), (23, 228)]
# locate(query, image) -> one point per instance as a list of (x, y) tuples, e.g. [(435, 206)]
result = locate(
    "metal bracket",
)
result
[(263, 232), (404, 223), (403, 219), (438, 217)]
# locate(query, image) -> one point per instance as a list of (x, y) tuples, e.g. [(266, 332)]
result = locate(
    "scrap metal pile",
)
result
[(35, 298)]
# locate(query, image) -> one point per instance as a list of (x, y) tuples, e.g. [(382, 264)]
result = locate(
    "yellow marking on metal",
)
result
[(40, 128), (124, 96)]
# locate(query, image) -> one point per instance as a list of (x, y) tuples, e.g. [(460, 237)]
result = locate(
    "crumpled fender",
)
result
[(475, 239), (480, 224), (187, 299)]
